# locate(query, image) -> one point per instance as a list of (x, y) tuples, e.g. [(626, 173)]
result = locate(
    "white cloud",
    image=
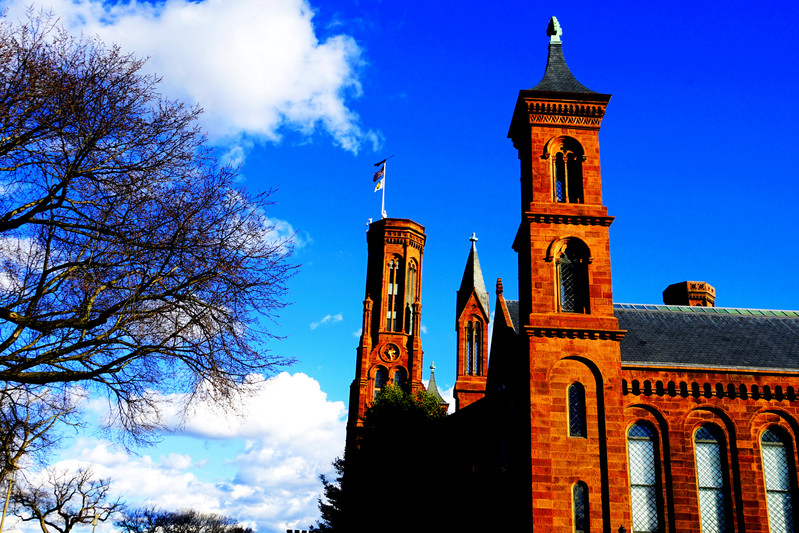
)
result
[(328, 319), (257, 67), (287, 433)]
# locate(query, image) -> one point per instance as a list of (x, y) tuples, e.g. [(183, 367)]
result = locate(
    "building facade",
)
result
[(588, 415)]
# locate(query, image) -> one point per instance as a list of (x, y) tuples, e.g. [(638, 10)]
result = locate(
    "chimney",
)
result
[(690, 293)]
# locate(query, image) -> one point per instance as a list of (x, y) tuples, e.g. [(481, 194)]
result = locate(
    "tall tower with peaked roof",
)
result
[(471, 324), (566, 321), (390, 347)]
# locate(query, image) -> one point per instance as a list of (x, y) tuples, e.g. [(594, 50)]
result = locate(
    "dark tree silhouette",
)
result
[(153, 520), (378, 482)]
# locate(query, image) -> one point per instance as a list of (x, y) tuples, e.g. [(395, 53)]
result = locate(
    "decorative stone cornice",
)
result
[(404, 237), (575, 333), (577, 220), (567, 114)]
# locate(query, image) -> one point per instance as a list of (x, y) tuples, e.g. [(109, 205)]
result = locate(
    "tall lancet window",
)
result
[(469, 349), (410, 297), (576, 397), (478, 350), (474, 348), (580, 507), (778, 472), (381, 378), (400, 377), (643, 479), (567, 171), (711, 479), (572, 267), (394, 298)]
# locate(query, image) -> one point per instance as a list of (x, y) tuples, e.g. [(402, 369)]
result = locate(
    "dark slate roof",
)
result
[(472, 279), (513, 310), (709, 336), (558, 77), (432, 388), (714, 337)]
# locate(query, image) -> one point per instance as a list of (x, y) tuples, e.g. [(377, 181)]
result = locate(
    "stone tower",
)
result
[(390, 348), (566, 320), (471, 325)]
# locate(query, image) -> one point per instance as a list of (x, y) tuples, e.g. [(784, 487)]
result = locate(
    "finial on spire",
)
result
[(554, 31), (473, 238), (432, 365)]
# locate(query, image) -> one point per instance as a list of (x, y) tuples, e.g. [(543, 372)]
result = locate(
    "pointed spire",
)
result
[(432, 388), (472, 279), (558, 77)]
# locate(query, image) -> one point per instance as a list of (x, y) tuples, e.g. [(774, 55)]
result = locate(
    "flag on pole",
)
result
[(380, 184), (379, 175)]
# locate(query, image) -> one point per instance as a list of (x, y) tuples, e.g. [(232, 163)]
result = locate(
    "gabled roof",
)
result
[(711, 337), (472, 279)]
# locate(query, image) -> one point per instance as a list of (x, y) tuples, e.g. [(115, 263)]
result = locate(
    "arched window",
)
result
[(474, 348), (576, 395), (567, 171), (643, 479), (469, 349), (573, 278), (381, 378), (400, 377), (711, 479), (478, 350), (580, 506), (393, 296), (410, 297), (777, 473)]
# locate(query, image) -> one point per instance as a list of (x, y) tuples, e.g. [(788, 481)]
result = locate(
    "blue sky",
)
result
[(698, 148)]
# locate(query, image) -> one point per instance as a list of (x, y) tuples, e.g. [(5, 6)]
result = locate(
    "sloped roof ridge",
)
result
[(710, 310), (432, 388), (472, 279)]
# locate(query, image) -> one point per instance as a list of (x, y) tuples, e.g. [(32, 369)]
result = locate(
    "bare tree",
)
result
[(65, 499), (129, 260), (27, 418)]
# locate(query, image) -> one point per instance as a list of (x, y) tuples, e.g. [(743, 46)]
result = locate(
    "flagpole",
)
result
[(383, 205)]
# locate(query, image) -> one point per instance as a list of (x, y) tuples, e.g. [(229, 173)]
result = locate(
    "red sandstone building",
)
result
[(588, 415)]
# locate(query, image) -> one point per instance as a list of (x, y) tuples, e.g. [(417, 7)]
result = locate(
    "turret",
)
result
[(471, 324)]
